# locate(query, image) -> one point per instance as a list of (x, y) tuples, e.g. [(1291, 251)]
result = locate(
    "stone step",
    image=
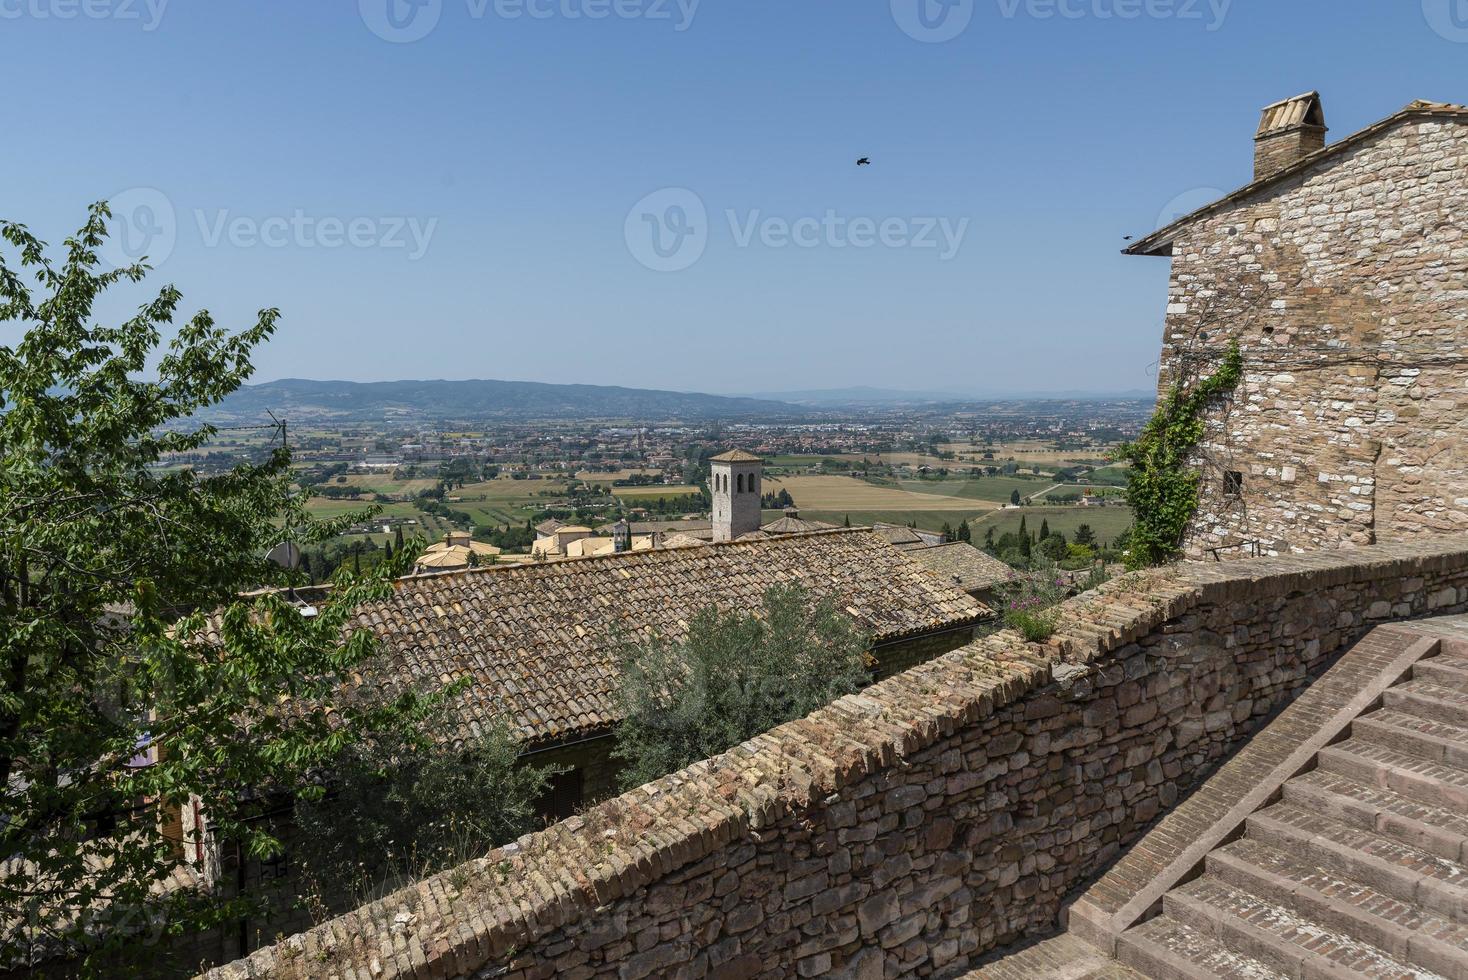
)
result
[(1381, 811), (1443, 671), (1406, 775), (1400, 929), (1062, 957), (1281, 938), (1433, 740), (1426, 700), (1165, 949), (1389, 866)]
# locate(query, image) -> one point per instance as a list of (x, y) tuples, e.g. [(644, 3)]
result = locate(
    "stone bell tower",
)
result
[(735, 484)]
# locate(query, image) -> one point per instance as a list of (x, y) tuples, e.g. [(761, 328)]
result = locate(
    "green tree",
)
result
[(133, 676), (1085, 536), (964, 532), (1044, 528), (732, 677), (397, 813), (1014, 497)]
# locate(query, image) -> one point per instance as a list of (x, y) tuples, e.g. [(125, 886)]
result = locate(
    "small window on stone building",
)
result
[(1233, 483), (563, 796)]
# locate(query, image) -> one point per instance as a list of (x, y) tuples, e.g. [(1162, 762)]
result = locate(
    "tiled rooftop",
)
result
[(539, 640), (963, 565)]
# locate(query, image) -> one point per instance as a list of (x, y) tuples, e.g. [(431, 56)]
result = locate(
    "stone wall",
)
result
[(907, 830), (1344, 287)]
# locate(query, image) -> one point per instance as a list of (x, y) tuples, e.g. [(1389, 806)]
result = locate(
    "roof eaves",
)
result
[(1160, 241)]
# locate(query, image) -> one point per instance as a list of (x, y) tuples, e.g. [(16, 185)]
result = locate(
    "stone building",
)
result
[(734, 481), (1341, 271)]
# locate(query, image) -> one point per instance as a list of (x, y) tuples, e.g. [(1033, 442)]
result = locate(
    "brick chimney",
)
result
[(1289, 131)]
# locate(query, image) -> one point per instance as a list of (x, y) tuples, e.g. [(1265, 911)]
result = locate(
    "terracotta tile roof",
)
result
[(1302, 110), (683, 541), (962, 565), (736, 456), (539, 639), (899, 535), (795, 525)]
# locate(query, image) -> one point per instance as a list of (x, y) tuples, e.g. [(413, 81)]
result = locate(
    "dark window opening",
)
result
[(562, 796), (1233, 483)]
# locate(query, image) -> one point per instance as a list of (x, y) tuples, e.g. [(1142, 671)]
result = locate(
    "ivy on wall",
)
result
[(1162, 485)]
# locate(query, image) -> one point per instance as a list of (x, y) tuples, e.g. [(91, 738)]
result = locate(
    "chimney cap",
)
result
[(1291, 113)]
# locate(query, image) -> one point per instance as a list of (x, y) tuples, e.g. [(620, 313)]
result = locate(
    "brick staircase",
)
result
[(1335, 844)]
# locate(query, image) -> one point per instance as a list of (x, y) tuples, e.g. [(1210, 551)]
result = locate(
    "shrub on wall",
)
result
[(734, 676)]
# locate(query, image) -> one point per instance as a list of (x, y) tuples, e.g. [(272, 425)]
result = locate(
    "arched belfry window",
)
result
[(739, 483)]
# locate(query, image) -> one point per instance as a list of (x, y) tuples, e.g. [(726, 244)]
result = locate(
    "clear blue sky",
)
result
[(518, 146)]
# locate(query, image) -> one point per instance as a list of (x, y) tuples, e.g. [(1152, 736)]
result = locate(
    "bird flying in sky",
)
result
[(864, 162)]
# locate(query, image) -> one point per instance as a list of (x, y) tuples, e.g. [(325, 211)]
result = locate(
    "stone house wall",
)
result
[(1344, 286), (909, 829)]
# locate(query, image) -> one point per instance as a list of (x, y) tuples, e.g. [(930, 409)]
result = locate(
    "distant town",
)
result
[(978, 467)]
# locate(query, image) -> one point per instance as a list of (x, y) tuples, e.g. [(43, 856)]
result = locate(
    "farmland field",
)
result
[(652, 493), (928, 520), (1029, 454), (384, 483), (503, 500), (840, 494), (1107, 522), (994, 489), (589, 477)]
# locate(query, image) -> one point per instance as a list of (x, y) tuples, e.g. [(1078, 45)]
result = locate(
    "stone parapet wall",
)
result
[(911, 828)]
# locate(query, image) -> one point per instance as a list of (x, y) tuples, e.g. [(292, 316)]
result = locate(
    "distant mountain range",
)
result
[(872, 397), (302, 400)]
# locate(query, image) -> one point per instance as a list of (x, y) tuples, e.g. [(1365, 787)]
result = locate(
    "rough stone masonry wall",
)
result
[(1345, 287), (911, 828)]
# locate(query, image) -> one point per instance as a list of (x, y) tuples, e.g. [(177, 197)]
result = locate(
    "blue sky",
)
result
[(480, 202)]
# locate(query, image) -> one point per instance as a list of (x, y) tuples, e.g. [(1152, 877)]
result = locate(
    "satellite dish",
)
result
[(287, 554)]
